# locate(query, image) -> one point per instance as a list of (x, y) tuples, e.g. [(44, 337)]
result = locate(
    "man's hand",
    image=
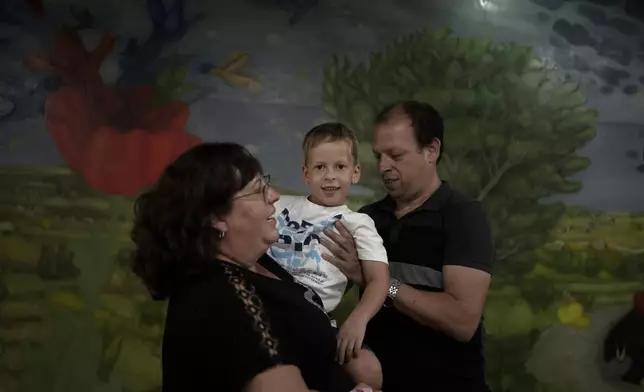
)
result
[(343, 253)]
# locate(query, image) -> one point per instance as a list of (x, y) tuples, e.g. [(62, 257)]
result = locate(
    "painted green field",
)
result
[(73, 317)]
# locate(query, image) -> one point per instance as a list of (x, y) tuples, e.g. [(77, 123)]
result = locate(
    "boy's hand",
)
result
[(350, 339)]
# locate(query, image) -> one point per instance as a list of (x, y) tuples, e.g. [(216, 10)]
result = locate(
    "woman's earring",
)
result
[(222, 234)]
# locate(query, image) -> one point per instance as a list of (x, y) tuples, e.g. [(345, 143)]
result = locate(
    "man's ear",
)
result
[(433, 151), (355, 176)]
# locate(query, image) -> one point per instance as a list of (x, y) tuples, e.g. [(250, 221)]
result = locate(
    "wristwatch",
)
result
[(393, 292)]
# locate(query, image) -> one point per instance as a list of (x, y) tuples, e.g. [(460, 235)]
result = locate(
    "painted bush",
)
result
[(511, 125)]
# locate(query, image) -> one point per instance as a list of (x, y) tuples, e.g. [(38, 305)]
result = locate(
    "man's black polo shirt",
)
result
[(448, 229)]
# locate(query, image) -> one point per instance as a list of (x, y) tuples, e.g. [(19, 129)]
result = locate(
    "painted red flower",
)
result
[(120, 141)]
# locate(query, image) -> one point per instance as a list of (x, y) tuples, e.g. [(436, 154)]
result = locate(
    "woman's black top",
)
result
[(227, 324)]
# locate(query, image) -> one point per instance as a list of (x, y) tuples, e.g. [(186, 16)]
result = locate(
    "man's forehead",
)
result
[(394, 135), (398, 124), (398, 117)]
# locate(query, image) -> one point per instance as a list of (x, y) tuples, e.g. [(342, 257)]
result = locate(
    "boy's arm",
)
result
[(376, 274), (375, 267), (373, 256)]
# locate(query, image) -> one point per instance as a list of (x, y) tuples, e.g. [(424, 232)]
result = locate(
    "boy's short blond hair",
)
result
[(329, 132)]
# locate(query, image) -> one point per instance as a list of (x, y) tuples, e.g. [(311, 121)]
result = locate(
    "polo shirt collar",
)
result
[(435, 202)]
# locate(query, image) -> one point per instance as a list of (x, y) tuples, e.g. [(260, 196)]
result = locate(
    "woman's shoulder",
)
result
[(222, 299), (210, 285)]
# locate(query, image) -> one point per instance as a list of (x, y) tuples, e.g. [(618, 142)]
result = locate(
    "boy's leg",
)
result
[(365, 368)]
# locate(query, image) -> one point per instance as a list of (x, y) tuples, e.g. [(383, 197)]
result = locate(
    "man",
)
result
[(441, 251)]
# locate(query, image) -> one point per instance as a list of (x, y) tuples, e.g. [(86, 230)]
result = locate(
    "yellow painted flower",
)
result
[(67, 299), (572, 313)]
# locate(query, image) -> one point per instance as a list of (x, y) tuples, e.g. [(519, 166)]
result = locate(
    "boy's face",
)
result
[(329, 172)]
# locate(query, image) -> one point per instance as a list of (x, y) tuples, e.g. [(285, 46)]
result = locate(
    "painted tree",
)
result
[(512, 125)]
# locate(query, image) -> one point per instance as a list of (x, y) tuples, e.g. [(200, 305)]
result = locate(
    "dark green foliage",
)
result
[(506, 364), (57, 262), (4, 291)]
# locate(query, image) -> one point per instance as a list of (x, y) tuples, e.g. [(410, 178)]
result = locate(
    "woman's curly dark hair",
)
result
[(172, 229)]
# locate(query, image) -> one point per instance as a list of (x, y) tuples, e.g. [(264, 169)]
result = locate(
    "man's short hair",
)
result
[(330, 132), (425, 120)]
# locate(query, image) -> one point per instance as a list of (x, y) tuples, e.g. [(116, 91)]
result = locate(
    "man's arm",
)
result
[(456, 311), (469, 257)]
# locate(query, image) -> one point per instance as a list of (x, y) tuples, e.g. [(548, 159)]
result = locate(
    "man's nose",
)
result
[(384, 164)]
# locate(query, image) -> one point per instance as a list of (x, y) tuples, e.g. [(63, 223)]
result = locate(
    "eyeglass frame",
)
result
[(263, 190)]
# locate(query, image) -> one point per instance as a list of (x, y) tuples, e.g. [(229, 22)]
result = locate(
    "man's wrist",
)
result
[(394, 286)]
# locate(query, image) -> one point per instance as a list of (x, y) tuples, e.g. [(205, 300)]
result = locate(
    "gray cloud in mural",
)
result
[(630, 89), (609, 28), (576, 63), (554, 5), (580, 64), (614, 50), (543, 17), (634, 9), (611, 76), (593, 14), (558, 42), (598, 17), (606, 3), (637, 155), (574, 33), (551, 5)]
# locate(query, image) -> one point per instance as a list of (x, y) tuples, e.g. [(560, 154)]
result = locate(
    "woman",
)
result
[(236, 321)]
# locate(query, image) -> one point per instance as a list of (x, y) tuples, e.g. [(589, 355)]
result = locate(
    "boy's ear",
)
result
[(305, 175), (355, 176)]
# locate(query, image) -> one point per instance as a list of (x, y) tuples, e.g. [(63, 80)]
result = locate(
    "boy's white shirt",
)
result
[(300, 224)]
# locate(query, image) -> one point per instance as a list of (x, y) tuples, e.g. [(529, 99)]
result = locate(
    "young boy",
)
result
[(330, 168)]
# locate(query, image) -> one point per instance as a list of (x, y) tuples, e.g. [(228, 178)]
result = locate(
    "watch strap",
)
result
[(394, 285)]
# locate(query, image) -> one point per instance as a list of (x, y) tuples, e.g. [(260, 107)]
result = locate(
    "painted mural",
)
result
[(543, 101)]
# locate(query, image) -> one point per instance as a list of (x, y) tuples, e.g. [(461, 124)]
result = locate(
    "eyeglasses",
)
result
[(263, 190)]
